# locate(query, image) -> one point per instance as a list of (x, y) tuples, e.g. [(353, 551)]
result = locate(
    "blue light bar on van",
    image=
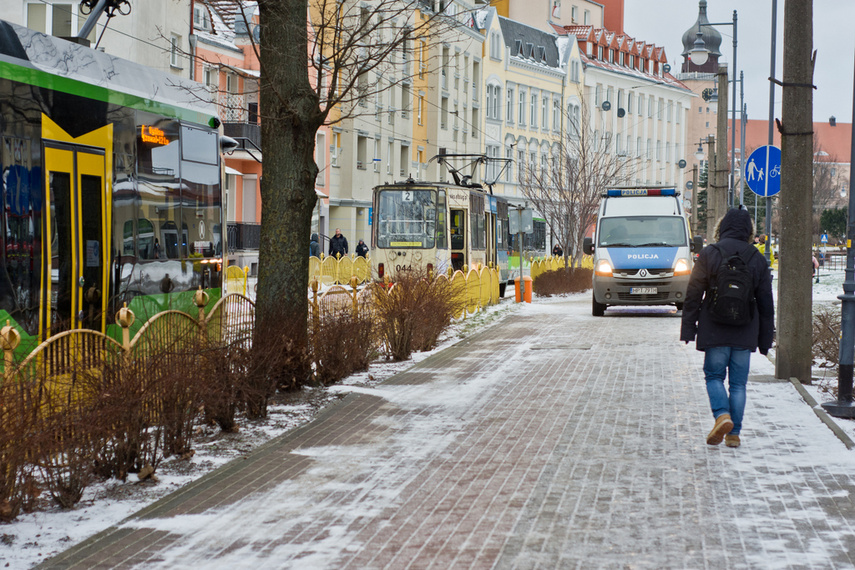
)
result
[(619, 192)]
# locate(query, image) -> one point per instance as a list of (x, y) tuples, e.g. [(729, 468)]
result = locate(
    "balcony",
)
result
[(243, 131), (244, 236)]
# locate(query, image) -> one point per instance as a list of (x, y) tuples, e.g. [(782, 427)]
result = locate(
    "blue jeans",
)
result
[(721, 361)]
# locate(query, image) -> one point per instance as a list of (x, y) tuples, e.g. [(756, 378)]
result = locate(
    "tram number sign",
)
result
[(407, 196)]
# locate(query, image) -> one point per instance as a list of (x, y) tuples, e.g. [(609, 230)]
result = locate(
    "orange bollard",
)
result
[(524, 295)]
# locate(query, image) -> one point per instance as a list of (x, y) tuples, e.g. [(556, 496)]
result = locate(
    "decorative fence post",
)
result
[(10, 338), (316, 317), (125, 317), (354, 281), (200, 298)]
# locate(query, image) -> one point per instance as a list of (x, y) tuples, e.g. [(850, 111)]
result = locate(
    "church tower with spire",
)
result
[(712, 41)]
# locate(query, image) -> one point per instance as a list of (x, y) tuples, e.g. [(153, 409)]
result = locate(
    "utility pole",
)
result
[(712, 178), (794, 276), (695, 193), (723, 188)]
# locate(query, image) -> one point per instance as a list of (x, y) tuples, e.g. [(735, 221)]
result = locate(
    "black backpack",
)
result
[(732, 289)]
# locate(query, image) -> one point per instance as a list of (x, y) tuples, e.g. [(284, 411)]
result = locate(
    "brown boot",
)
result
[(723, 424), (731, 440)]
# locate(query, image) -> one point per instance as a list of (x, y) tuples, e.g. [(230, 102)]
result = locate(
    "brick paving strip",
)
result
[(551, 440)]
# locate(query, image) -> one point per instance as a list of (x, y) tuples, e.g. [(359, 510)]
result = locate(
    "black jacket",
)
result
[(314, 246), (361, 249), (735, 230), (338, 244)]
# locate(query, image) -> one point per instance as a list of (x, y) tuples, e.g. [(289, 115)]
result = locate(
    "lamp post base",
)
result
[(840, 409)]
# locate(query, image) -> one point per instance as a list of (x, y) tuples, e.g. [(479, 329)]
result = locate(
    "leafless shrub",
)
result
[(826, 338), (414, 312), (341, 344), (16, 485), (562, 281)]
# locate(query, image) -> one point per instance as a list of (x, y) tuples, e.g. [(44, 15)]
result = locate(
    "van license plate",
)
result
[(643, 290)]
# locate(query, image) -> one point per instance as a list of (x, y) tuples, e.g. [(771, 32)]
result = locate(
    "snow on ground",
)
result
[(36, 536)]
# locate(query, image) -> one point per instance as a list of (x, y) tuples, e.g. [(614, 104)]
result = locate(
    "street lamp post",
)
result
[(710, 212), (699, 56)]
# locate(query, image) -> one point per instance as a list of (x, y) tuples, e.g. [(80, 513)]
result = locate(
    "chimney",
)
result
[(832, 120)]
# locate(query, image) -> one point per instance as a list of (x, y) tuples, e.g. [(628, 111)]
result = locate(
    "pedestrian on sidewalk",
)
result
[(815, 265), (361, 249), (727, 347), (338, 244)]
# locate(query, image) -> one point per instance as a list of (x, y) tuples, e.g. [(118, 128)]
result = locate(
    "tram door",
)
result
[(74, 267), (458, 239)]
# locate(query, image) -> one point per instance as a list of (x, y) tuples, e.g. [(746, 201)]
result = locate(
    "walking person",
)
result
[(361, 249), (557, 251), (338, 244), (728, 321), (314, 246)]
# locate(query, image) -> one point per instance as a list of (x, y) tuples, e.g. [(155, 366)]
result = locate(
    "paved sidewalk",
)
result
[(551, 440)]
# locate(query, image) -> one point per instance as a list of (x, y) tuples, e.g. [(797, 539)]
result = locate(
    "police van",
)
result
[(642, 249)]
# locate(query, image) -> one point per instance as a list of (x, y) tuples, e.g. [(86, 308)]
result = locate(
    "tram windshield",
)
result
[(406, 218)]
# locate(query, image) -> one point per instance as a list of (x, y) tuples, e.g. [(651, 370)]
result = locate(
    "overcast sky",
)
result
[(663, 23)]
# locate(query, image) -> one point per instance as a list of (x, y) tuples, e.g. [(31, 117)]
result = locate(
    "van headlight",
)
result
[(604, 269), (682, 267)]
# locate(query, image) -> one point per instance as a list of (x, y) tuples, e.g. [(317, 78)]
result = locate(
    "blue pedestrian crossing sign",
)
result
[(763, 171), (823, 238)]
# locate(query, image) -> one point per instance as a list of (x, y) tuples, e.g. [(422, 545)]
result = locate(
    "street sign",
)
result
[(823, 238), (763, 171)]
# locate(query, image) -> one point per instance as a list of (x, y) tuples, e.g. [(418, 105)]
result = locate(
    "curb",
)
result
[(822, 414)]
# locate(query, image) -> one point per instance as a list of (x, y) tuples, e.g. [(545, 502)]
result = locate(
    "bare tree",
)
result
[(827, 183), (567, 192), (319, 61)]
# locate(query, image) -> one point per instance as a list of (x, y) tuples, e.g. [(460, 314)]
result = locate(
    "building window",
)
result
[(390, 152), (587, 17), (361, 152), (443, 116), (629, 102), (533, 110), (509, 105), (556, 8), (544, 111), (404, 160), (556, 114), (574, 13), (320, 158), (476, 74), (175, 51), (335, 149), (523, 109), (421, 107)]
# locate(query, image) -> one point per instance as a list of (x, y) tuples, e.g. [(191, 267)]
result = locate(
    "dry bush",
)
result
[(17, 489), (276, 361), (826, 338), (562, 281), (413, 313), (341, 344), (224, 368)]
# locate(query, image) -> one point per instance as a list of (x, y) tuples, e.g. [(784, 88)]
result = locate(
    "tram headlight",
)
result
[(392, 256), (682, 267), (417, 256), (604, 269)]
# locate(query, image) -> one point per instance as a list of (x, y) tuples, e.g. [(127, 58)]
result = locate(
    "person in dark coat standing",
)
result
[(727, 348), (361, 249), (314, 246), (338, 244), (557, 251)]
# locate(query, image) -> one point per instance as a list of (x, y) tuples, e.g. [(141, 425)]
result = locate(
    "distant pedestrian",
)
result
[(815, 266), (557, 251), (314, 246), (361, 249), (762, 245), (338, 244), (727, 347)]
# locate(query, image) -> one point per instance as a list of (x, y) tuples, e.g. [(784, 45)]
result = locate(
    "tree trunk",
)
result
[(290, 118), (794, 278)]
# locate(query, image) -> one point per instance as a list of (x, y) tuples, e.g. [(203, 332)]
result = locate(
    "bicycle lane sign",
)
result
[(763, 171)]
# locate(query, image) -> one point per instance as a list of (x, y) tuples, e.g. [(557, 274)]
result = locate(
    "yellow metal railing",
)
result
[(328, 270), (236, 278), (552, 263)]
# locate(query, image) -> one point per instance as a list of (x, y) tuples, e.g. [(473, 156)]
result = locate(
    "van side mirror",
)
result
[(697, 244), (588, 246)]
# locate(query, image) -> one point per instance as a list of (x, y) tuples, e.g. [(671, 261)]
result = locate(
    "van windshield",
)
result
[(642, 231)]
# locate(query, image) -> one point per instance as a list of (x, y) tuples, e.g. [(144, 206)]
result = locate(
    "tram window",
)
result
[(201, 208), (458, 229), (406, 218), (169, 240), (441, 214), (128, 239), (148, 245), (199, 145)]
